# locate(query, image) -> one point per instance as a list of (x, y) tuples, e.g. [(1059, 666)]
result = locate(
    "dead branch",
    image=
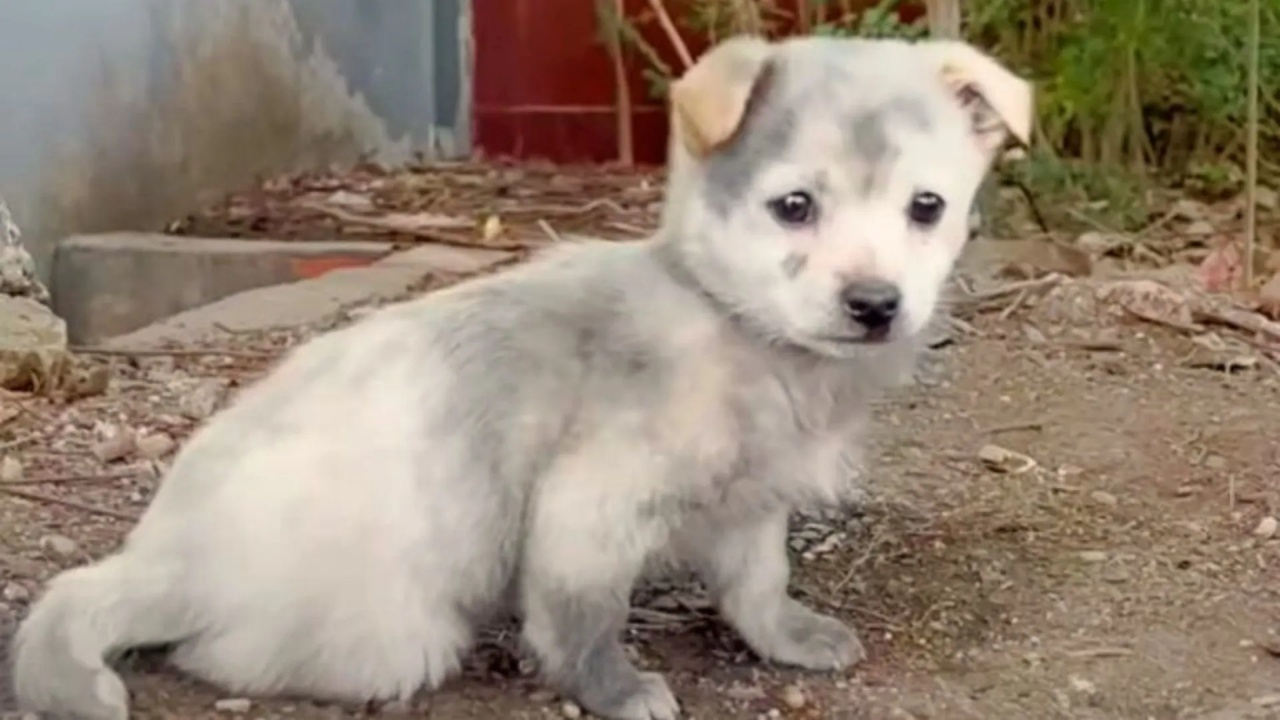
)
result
[(74, 479), (1251, 147), (73, 504), (175, 352), (673, 35)]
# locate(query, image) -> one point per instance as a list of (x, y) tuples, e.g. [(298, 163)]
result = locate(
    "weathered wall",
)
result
[(122, 115)]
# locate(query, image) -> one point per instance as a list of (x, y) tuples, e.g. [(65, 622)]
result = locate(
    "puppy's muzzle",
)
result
[(873, 304)]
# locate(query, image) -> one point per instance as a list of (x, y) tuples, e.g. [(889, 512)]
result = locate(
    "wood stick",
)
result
[(673, 35), (1251, 147)]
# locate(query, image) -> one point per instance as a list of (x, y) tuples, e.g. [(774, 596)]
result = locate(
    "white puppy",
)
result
[(542, 436)]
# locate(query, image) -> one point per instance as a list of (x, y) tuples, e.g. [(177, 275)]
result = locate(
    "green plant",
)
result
[(1130, 93)]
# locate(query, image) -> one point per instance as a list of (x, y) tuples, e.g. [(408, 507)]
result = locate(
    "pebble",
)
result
[(14, 592), (1104, 498), (233, 705), (1267, 700), (59, 545), (117, 445), (1082, 686), (154, 446), (203, 400), (571, 710), (10, 469), (1093, 556), (793, 697), (1267, 527)]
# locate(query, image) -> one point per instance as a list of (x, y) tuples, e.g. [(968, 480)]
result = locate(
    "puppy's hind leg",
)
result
[(587, 544), (746, 568)]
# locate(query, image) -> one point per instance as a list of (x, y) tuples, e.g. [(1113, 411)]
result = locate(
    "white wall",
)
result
[(124, 114)]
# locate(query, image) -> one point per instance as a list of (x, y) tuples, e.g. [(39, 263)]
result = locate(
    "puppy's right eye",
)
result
[(795, 209)]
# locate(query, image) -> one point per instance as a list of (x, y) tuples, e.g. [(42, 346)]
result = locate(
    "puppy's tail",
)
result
[(86, 616)]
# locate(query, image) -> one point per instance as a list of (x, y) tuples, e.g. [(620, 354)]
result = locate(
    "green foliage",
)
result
[(1129, 92), (878, 21), (1149, 86)]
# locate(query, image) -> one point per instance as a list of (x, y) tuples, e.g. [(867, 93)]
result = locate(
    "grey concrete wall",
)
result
[(122, 115)]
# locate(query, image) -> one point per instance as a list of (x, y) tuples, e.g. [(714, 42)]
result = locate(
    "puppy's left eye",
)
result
[(795, 209), (926, 209)]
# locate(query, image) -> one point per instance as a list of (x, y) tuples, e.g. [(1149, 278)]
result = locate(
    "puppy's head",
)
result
[(821, 187)]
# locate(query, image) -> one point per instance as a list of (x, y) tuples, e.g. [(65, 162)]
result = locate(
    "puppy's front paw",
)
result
[(645, 696), (814, 642)]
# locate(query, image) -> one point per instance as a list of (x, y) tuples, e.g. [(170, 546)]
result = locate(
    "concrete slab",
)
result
[(106, 285), (312, 300)]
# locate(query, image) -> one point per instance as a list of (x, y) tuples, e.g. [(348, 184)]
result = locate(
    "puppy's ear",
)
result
[(709, 101), (999, 102)]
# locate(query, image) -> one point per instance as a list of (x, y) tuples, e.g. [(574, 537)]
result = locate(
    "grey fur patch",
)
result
[(595, 670), (870, 143), (767, 133), (794, 263)]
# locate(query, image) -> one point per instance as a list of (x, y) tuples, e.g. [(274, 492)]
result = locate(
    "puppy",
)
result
[(544, 435)]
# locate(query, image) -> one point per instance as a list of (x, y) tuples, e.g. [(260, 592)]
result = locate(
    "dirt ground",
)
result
[(1067, 520)]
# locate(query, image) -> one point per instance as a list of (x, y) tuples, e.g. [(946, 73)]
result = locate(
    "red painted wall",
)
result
[(543, 83)]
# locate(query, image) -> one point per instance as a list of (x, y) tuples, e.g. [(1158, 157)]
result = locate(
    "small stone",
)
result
[(1215, 462), (58, 545), (33, 343), (1103, 497), (1093, 556), (1115, 575), (117, 445), (233, 705), (1082, 686), (1267, 527), (154, 446), (1003, 460), (10, 469), (571, 710), (793, 697), (203, 400), (15, 592)]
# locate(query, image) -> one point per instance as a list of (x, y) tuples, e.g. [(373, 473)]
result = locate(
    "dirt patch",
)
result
[(1116, 577), (495, 204)]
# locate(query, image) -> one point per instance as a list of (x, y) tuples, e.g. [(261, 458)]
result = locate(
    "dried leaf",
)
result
[(349, 200), (492, 228), (1004, 460), (1222, 269), (11, 469)]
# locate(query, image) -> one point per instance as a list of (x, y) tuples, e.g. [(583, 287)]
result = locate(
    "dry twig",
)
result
[(1251, 147), (673, 35), (73, 479), (176, 352), (73, 504)]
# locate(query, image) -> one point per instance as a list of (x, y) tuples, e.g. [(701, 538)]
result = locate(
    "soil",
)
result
[(1109, 570)]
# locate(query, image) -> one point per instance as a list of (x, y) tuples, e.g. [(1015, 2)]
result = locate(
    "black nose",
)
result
[(872, 303)]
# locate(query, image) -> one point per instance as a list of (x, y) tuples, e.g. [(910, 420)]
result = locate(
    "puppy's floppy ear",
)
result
[(1000, 102), (709, 101)]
